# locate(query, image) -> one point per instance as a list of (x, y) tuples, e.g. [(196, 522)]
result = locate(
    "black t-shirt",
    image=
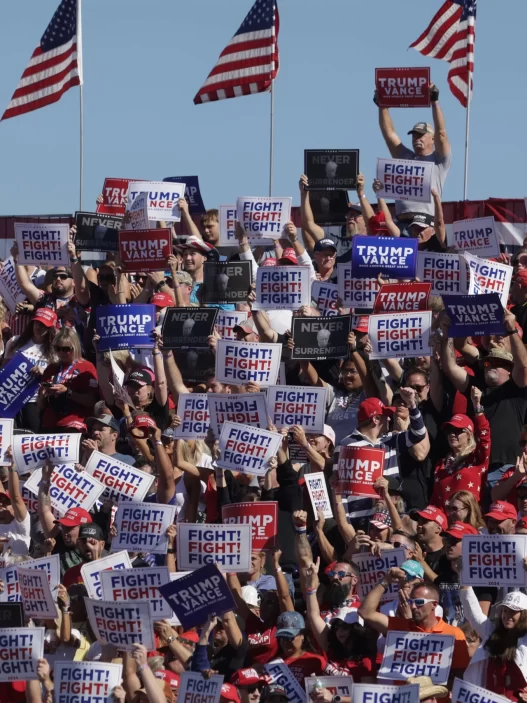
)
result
[(227, 660), (437, 561), (520, 312), (433, 244), (416, 479)]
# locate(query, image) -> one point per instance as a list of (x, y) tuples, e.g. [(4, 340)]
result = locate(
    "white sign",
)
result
[(464, 692), (50, 566), (6, 440), (42, 244), (476, 236), (138, 584), (227, 320), (337, 685), (36, 594), (142, 527), (122, 482), (494, 560), (318, 492), (243, 408), (409, 654), (91, 571), (195, 688), (162, 198), (69, 488), (281, 675), (121, 624), (488, 277), (193, 409), (325, 297), (31, 451), (11, 593), (20, 650), (374, 568), (400, 334), (75, 682), (9, 288), (405, 180), (356, 293), (282, 288), (239, 363), (228, 219), (263, 217), (247, 449), (380, 693), (138, 214), (443, 271), (227, 546), (304, 406)]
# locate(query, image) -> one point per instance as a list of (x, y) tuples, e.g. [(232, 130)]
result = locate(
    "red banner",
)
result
[(114, 193), (262, 517), (358, 468), (403, 87), (145, 249), (402, 297)]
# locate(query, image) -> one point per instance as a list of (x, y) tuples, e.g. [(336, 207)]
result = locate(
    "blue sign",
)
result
[(474, 315), (125, 326), (192, 193), (394, 256), (200, 594), (17, 385)]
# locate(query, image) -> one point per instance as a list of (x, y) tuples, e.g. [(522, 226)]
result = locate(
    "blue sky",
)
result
[(144, 62)]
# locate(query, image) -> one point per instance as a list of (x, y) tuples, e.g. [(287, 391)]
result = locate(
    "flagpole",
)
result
[(467, 136), (271, 145), (81, 104)]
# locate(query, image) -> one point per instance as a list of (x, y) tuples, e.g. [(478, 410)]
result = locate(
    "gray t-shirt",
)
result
[(343, 410), (439, 174)]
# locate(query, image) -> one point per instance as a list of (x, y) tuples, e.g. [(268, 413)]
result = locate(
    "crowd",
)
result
[(451, 426)]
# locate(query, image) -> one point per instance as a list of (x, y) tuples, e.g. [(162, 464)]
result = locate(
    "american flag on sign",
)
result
[(54, 68), (451, 36), (249, 62)]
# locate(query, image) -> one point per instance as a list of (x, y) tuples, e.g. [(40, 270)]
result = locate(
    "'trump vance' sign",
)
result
[(162, 199), (125, 326), (403, 87), (371, 256)]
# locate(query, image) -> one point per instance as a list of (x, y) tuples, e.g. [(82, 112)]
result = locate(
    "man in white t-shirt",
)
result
[(14, 518)]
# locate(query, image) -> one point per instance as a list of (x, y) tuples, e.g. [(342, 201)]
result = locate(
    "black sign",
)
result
[(331, 169), (226, 282), (97, 232), (188, 327), (321, 337), (329, 206), (12, 615), (194, 364), (192, 193)]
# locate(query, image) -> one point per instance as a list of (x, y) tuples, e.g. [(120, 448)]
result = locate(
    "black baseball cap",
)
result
[(91, 531)]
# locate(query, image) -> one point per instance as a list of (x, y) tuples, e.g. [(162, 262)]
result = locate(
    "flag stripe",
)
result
[(32, 84), (48, 97)]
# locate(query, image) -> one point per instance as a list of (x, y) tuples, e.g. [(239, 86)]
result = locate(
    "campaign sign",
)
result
[(325, 297), (50, 566), (282, 288), (194, 688), (185, 328), (20, 650), (341, 686), (247, 449), (261, 516), (42, 244), (374, 693), (193, 409), (121, 481), (141, 527), (281, 675), (465, 692), (161, 199), (198, 595), (488, 277), (358, 468), (12, 614), (393, 256), (297, 405), (329, 169), (321, 337), (11, 593), (192, 192), (121, 624), (228, 546), (474, 315), (137, 216), (36, 594), (9, 288), (403, 87), (400, 334), (330, 207), (194, 364), (145, 250), (263, 217), (91, 571), (374, 568), (409, 654), (225, 283), (318, 493), (494, 560), (125, 326), (443, 271), (477, 236), (32, 451), (405, 180), (240, 362), (6, 440), (82, 681), (228, 219), (242, 408), (69, 488), (114, 193), (227, 320), (97, 232), (356, 293), (138, 584), (402, 297)]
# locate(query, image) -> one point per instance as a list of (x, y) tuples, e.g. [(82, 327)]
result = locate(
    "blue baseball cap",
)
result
[(289, 625), (413, 568)]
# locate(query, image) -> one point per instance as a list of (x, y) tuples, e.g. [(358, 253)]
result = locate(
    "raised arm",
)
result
[(439, 219), (282, 587), (389, 134), (17, 502), (368, 609), (416, 435), (45, 514), (310, 583), (186, 219), (393, 230), (327, 550), (31, 292), (166, 484), (160, 383), (442, 145), (234, 584), (519, 353), (263, 325), (173, 375), (82, 287), (457, 375), (304, 555), (311, 232), (367, 210)]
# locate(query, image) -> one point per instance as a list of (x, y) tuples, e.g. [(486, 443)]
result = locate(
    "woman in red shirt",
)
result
[(467, 463), (293, 647), (69, 388)]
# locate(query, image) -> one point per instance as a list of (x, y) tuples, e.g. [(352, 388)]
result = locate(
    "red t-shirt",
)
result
[(73, 575), (306, 665), (80, 377), (504, 678), (263, 645), (357, 669)]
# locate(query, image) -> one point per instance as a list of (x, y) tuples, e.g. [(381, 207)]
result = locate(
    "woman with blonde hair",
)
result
[(463, 507), (465, 466)]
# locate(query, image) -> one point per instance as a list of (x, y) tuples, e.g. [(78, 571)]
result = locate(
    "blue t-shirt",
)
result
[(194, 299)]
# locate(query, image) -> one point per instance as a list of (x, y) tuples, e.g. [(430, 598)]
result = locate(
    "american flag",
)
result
[(54, 68), (249, 62), (451, 36)]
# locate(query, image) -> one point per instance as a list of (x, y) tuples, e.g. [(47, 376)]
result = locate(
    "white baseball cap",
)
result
[(516, 600), (329, 433)]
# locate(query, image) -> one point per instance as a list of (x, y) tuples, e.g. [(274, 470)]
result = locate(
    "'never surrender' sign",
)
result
[(371, 256), (321, 337), (474, 315)]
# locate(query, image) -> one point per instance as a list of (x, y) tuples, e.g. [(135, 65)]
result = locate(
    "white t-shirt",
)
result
[(18, 535)]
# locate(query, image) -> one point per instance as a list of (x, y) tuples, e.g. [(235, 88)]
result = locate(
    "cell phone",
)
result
[(46, 384)]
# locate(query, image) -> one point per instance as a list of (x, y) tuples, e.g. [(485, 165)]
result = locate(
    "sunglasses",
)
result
[(419, 602), (63, 349), (417, 388), (62, 276), (349, 372), (495, 364), (398, 545), (339, 574)]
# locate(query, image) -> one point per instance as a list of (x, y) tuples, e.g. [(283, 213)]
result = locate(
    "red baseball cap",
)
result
[(521, 278), (173, 680), (460, 529), (432, 514), (229, 693), (371, 407), (501, 510), (162, 300), (289, 255), (360, 323), (144, 421), (463, 422), (247, 677), (46, 316), (75, 517), (522, 523), (377, 223), (191, 636), (270, 261)]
